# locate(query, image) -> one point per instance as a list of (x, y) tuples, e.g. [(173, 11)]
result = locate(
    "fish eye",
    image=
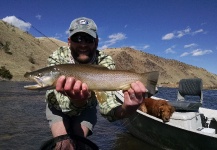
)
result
[(39, 74)]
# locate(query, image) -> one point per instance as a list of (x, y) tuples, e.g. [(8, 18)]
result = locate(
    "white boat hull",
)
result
[(184, 131), (168, 135)]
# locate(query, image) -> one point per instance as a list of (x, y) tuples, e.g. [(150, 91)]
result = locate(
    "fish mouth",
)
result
[(35, 86)]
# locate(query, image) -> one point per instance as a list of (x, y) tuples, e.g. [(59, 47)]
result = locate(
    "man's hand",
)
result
[(133, 97), (77, 91)]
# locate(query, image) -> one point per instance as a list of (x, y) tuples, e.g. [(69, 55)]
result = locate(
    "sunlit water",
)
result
[(23, 125)]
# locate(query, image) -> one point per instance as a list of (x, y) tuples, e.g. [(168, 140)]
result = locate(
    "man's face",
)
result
[(83, 47)]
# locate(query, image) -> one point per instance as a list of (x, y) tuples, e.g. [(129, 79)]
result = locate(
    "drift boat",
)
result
[(191, 127)]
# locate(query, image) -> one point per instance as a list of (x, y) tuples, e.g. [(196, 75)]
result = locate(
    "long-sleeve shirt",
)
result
[(106, 100)]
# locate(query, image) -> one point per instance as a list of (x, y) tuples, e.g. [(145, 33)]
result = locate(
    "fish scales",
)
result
[(97, 77)]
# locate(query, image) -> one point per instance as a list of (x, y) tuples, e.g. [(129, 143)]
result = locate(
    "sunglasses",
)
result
[(82, 38)]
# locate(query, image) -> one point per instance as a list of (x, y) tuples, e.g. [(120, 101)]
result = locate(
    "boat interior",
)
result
[(188, 111)]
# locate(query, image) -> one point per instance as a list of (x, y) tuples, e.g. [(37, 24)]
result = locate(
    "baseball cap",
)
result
[(83, 24)]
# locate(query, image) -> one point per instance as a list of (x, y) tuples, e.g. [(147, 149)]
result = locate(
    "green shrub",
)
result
[(7, 48), (31, 59), (4, 73)]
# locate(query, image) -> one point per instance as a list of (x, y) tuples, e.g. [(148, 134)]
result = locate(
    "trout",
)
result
[(97, 78)]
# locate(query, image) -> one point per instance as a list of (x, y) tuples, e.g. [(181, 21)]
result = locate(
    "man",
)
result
[(71, 106)]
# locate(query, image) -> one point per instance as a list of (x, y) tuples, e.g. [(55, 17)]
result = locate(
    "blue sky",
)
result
[(184, 30)]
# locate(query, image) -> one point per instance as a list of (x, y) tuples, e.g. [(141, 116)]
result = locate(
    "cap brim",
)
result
[(90, 32)]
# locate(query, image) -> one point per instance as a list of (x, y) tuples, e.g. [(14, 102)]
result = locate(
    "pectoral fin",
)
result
[(101, 96)]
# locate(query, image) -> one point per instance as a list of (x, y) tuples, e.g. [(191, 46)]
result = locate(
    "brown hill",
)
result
[(21, 52), (171, 71)]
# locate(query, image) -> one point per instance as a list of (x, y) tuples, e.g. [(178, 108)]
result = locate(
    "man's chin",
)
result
[(83, 59)]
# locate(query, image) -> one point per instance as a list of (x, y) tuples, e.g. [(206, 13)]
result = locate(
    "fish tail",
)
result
[(151, 81)]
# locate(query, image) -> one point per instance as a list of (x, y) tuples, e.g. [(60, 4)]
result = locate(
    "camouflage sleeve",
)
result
[(109, 103), (60, 56)]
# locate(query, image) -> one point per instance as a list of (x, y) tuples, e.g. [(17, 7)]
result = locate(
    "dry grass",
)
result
[(27, 52), (171, 71)]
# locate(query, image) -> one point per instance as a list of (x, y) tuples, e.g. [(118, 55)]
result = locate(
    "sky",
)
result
[(183, 30)]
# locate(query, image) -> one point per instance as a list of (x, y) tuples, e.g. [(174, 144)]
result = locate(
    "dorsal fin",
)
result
[(99, 67)]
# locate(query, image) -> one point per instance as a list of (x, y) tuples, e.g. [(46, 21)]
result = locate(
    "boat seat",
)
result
[(190, 95), (185, 106)]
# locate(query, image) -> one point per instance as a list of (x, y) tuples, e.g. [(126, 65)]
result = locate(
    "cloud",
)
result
[(134, 47), (181, 33), (168, 36), (103, 47), (184, 54), (140, 47), (190, 45), (17, 23), (197, 31), (197, 52), (146, 46), (38, 17), (58, 36), (67, 32), (170, 50), (113, 39), (116, 37)]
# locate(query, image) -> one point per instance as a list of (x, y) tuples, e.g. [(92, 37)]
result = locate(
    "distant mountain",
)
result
[(171, 71), (21, 52)]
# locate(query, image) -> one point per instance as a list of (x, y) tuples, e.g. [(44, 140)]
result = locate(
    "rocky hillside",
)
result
[(171, 71), (21, 52)]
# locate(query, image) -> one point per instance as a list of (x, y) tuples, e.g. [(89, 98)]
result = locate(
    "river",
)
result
[(23, 124)]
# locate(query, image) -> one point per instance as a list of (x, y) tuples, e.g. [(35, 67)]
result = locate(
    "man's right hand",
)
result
[(76, 90)]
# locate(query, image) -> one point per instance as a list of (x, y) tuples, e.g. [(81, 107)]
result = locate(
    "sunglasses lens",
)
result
[(79, 39)]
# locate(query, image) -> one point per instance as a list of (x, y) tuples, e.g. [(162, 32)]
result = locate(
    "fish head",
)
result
[(45, 78)]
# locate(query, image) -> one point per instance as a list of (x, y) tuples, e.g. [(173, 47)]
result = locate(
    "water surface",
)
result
[(23, 124)]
